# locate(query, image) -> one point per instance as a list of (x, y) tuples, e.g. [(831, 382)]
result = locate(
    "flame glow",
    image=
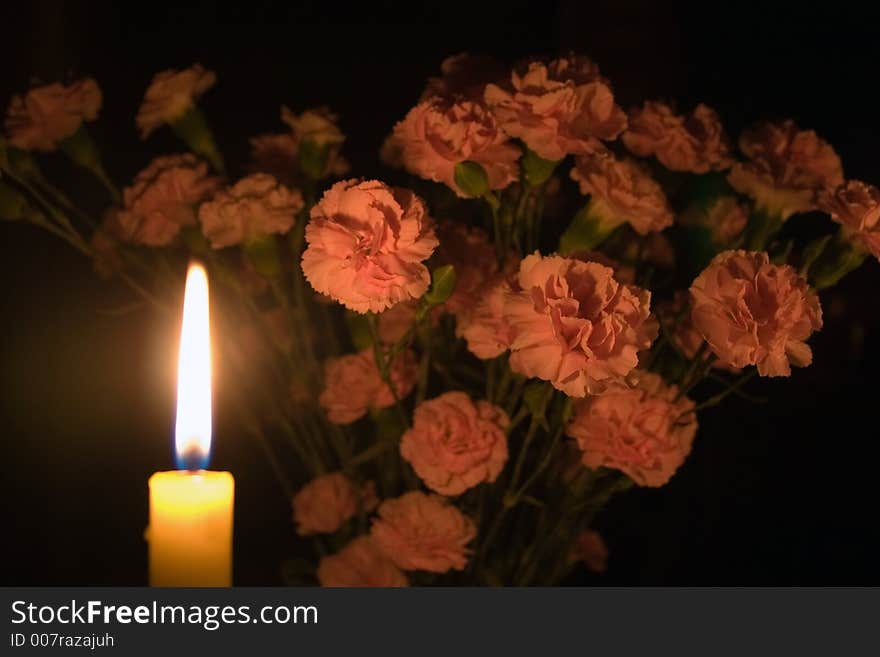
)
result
[(192, 432)]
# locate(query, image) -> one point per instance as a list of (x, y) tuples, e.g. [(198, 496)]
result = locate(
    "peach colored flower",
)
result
[(470, 252), (164, 197), (642, 431), (786, 168), (437, 134), (694, 142), (172, 94), (366, 245), (856, 206), (360, 563), (675, 316), (394, 323), (485, 328), (455, 443), (256, 206), (318, 125), (277, 155), (622, 191), (464, 76), (591, 549), (49, 114), (557, 108), (423, 532), (575, 325), (327, 502), (353, 385), (752, 312)]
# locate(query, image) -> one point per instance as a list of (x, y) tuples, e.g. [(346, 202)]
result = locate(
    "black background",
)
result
[(782, 493)]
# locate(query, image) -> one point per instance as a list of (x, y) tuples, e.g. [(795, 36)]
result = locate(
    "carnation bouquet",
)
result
[(453, 369)]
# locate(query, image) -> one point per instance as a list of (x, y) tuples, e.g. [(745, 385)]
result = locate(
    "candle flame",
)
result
[(193, 427)]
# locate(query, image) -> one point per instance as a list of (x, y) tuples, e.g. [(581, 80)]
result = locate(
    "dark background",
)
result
[(783, 493)]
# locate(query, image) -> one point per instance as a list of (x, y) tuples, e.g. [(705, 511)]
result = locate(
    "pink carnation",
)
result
[(366, 245), (437, 134), (172, 94), (622, 191), (360, 563), (455, 444), (353, 385), (695, 142), (786, 168), (486, 328), (856, 206), (51, 113), (557, 108), (575, 325), (423, 532), (470, 252), (327, 502), (642, 431), (163, 198), (752, 312), (253, 208)]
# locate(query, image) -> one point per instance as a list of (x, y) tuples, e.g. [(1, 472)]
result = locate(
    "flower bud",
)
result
[(14, 206), (471, 178), (312, 158), (263, 254), (535, 169), (588, 229), (192, 128)]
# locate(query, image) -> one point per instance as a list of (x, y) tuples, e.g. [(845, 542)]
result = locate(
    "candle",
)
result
[(190, 532)]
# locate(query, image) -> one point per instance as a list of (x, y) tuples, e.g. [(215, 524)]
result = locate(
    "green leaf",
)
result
[(536, 170), (585, 232), (471, 178), (442, 285)]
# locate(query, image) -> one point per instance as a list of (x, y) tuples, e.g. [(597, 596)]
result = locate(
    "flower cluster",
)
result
[(452, 401)]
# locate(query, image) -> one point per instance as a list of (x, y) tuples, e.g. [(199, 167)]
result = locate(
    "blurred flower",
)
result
[(557, 108), (366, 245), (621, 191), (51, 113), (464, 76), (575, 325), (695, 142), (675, 316), (856, 206), (353, 384), (786, 168), (318, 142), (393, 323), (255, 207), (360, 563), (752, 312), (646, 431), (469, 250), (172, 94), (485, 328), (163, 198), (455, 443), (725, 219), (327, 502), (437, 134), (423, 532), (318, 125), (591, 549)]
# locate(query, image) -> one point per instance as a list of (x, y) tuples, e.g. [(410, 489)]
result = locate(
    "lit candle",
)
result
[(190, 532)]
